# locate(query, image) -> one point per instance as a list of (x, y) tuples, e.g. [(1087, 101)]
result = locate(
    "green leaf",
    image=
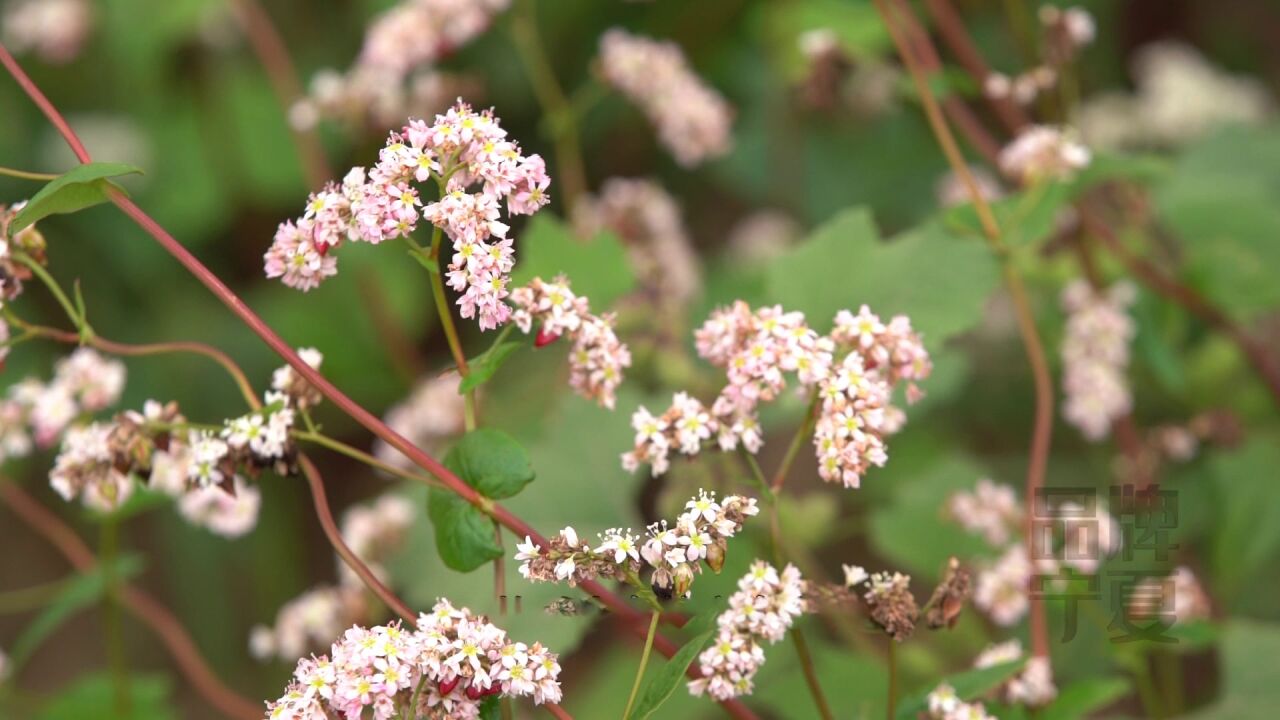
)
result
[(491, 708), (968, 686), (1083, 697), (1250, 689), (93, 696), (77, 189), (597, 268), (659, 689), (83, 591), (1248, 525), (939, 280), (483, 366), (492, 462), (465, 537)]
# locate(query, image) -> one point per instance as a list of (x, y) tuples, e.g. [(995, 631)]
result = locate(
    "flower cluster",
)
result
[(1033, 686), (765, 606), (675, 553), (403, 43), (889, 600), (1177, 598), (461, 149), (28, 240), (944, 704), (1077, 537), (647, 220), (448, 665), (1095, 356), (373, 532), (597, 358), (1042, 152), (433, 413), (299, 393), (83, 383), (692, 119), (992, 510), (757, 350), (55, 30), (1066, 32)]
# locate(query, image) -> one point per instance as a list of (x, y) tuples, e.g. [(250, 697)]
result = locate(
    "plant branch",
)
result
[(144, 607), (344, 403), (954, 34), (644, 662), (1043, 426), (27, 175)]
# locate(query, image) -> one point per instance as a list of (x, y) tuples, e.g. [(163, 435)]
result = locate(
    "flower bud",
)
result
[(683, 580), (715, 554)]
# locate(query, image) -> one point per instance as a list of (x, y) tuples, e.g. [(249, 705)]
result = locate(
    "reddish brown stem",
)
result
[(954, 34), (500, 514), (147, 609), (1257, 354), (267, 44)]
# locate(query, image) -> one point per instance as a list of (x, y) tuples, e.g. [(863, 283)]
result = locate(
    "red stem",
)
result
[(146, 608), (954, 34), (611, 600)]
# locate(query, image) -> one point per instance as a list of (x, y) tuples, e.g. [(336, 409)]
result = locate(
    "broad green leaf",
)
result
[(597, 268), (483, 366), (968, 686), (659, 688), (83, 591), (1083, 697), (940, 281), (492, 462), (1024, 218), (1248, 524), (77, 189), (1250, 690), (465, 537), (491, 708), (93, 696)]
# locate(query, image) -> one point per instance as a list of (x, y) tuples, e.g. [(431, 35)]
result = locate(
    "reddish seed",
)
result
[(545, 338), (447, 686)]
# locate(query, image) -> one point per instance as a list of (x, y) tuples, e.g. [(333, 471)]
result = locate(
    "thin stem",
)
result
[(113, 630), (892, 700), (519, 527), (81, 324), (810, 674), (1043, 425), (797, 440), (417, 696), (644, 662), (26, 175), (1169, 666), (356, 454), (445, 311), (1148, 693), (30, 598), (560, 110)]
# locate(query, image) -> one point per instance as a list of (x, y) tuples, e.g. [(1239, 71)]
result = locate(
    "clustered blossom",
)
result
[(1033, 686), (373, 532), (888, 599), (457, 660), (401, 47), (55, 30), (433, 413), (944, 704), (28, 240), (1095, 356), (301, 394), (765, 606), (1066, 32), (647, 220), (1076, 537), (1175, 598), (675, 553), (597, 357), (1043, 152), (461, 149), (992, 510), (757, 350), (692, 118)]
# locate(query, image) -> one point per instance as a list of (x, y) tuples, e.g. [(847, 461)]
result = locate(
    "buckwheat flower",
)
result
[(300, 393), (55, 30), (692, 119), (294, 258), (854, 575), (621, 544), (991, 510), (684, 425), (433, 414), (597, 358), (1042, 152), (1032, 687), (1089, 536), (94, 381), (891, 604), (1095, 356), (85, 458), (52, 408), (230, 515), (307, 622), (765, 606), (15, 438), (944, 704), (1178, 597), (207, 455), (374, 532), (1001, 590)]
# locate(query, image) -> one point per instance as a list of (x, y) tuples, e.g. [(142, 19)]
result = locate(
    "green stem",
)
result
[(417, 696), (359, 455), (559, 109), (810, 674), (1170, 668), (644, 662), (757, 474), (81, 324), (25, 175), (446, 321), (108, 554), (892, 703), (797, 440), (30, 598), (1152, 706)]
